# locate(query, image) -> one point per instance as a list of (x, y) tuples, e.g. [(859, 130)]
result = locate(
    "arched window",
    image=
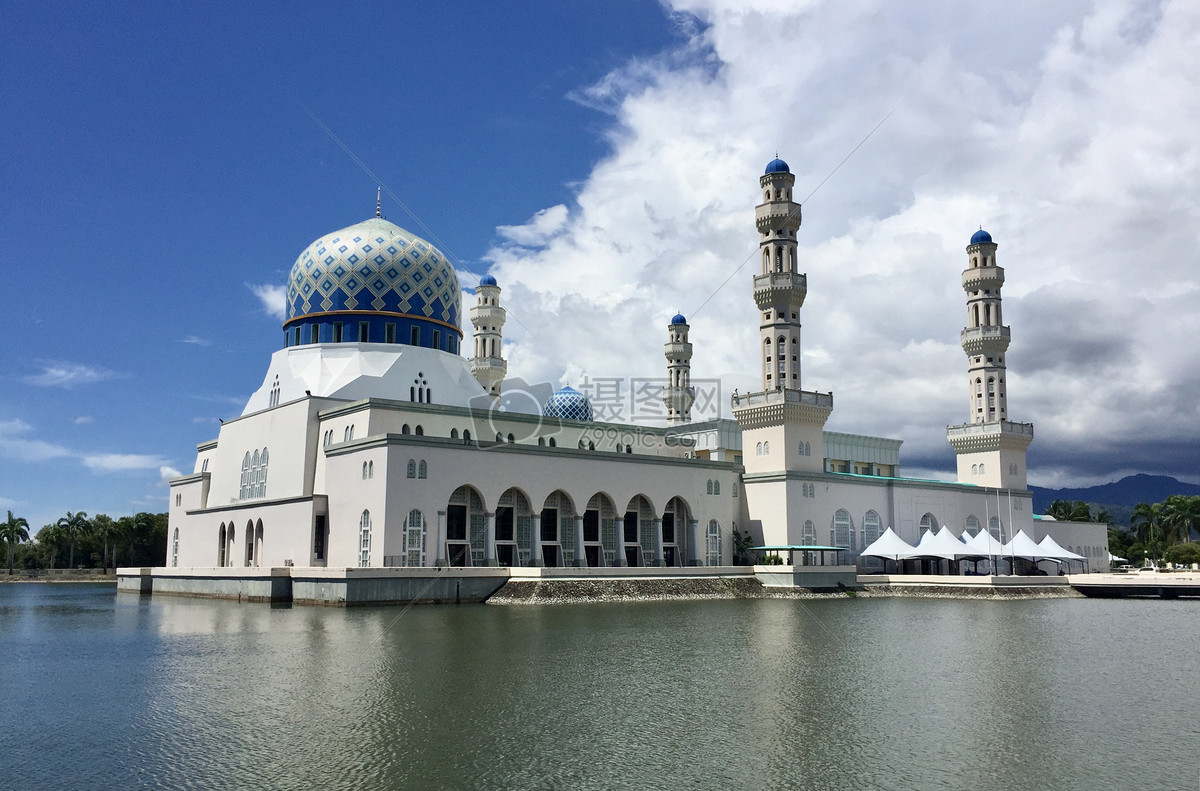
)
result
[(807, 449), (364, 472), (871, 525), (709, 487), (405, 429), (766, 448), (229, 544), (422, 470), (928, 522), (453, 433), (413, 540), (758, 449), (842, 531), (972, 525), (553, 444), (364, 540), (221, 546), (995, 528), (411, 471), (466, 435), (371, 469), (419, 431), (510, 439), (716, 487), (981, 470), (541, 441), (713, 544), (244, 491), (591, 445), (175, 548), (974, 469)]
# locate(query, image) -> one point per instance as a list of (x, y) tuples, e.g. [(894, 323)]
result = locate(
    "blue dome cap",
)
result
[(679, 319), (777, 165), (487, 280), (980, 237), (568, 404)]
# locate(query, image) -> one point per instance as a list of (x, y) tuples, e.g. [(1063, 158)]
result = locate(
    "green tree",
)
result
[(1147, 522), (74, 527), (50, 539), (1180, 515), (1183, 554), (1069, 511), (1102, 516), (104, 529), (13, 531)]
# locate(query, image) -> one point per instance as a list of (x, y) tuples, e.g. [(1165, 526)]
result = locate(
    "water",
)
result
[(101, 691)]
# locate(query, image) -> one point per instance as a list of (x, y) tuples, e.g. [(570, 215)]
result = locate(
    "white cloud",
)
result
[(1034, 122), (540, 229), (196, 341), (122, 462), (56, 373), (82, 420), (14, 444), (167, 473), (273, 298)]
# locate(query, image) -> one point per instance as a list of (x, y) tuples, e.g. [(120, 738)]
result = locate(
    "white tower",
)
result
[(488, 319), (990, 448), (678, 395), (782, 426)]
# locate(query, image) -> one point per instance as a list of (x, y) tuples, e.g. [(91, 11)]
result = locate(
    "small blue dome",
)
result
[(981, 236), (568, 404), (777, 165), (487, 280), (679, 319)]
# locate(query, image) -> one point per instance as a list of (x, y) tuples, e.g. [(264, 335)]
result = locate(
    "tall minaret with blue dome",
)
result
[(678, 395), (782, 425), (990, 447), (487, 364)]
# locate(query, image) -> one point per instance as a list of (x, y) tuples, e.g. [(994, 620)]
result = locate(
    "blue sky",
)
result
[(162, 173)]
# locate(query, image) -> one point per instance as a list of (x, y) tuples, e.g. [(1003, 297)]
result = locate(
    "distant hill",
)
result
[(1118, 497)]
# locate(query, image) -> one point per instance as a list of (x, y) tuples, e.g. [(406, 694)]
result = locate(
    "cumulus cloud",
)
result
[(1034, 122), (123, 462), (273, 298), (167, 473), (56, 373)]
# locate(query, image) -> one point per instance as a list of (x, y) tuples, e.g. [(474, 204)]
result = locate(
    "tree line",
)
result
[(1157, 531), (79, 541)]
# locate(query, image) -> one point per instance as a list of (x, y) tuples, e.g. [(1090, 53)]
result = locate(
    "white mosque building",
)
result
[(373, 443)]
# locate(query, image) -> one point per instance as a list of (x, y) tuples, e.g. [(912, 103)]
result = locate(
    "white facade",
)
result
[(405, 453)]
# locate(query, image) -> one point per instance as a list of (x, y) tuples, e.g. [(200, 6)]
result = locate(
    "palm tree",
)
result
[(1102, 516), (74, 525), (1147, 522), (13, 531), (105, 529), (1069, 511), (1180, 515)]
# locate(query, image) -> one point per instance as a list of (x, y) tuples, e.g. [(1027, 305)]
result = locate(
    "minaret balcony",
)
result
[(993, 435), (782, 397), (780, 288), (677, 351), (777, 214), (979, 278), (488, 364), (490, 315), (978, 339)]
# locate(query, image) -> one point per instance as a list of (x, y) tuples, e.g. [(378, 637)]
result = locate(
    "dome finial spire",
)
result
[(379, 201)]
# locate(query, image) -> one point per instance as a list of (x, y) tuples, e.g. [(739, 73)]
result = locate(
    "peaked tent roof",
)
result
[(984, 545), (1022, 546), (1052, 551), (941, 544), (890, 547)]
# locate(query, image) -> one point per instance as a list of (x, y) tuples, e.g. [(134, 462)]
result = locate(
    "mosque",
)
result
[(374, 443)]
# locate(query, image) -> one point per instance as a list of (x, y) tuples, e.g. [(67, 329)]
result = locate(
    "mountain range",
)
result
[(1117, 497)]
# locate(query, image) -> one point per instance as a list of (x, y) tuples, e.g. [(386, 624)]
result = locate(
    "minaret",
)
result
[(782, 422), (678, 395), (488, 319), (990, 448), (780, 290)]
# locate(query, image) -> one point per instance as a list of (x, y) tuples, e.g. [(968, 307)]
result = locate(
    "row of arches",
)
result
[(558, 531), (227, 545)]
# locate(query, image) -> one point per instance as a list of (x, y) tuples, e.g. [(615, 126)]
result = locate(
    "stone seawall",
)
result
[(964, 592), (552, 591)]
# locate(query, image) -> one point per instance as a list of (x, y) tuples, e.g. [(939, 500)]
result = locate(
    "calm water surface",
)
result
[(108, 691)]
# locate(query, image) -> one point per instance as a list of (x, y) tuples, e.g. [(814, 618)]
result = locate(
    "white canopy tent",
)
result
[(941, 544), (1116, 559), (983, 545), (889, 546), (1050, 550)]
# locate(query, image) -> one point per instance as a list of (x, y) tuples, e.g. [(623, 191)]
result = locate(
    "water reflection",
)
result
[(863, 694)]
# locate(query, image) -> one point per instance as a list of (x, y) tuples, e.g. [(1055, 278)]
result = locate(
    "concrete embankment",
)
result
[(577, 591), (978, 592)]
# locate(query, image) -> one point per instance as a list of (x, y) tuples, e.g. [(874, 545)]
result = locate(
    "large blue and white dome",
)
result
[(373, 282), (568, 404)]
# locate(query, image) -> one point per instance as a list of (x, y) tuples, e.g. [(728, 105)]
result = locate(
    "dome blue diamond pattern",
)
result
[(568, 404)]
